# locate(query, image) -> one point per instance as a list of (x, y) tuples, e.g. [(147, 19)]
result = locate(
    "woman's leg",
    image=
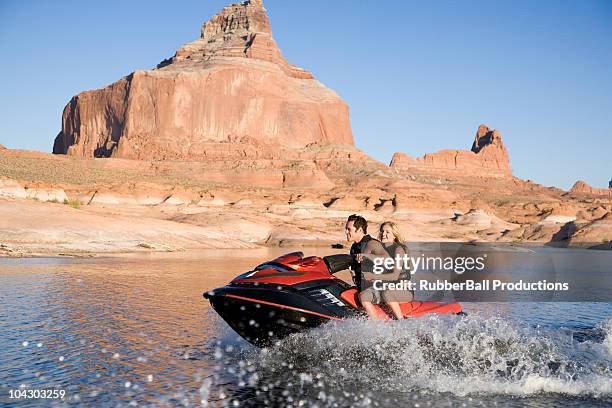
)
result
[(397, 310)]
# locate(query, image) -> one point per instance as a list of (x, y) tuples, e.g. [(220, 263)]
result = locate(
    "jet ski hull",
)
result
[(261, 322)]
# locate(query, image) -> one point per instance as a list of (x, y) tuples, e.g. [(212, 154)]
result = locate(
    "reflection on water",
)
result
[(136, 330), (110, 329)]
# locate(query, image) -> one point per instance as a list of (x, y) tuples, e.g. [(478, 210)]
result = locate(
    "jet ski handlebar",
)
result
[(338, 262)]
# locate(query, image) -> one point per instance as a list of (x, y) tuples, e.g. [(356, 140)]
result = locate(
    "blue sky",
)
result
[(418, 76)]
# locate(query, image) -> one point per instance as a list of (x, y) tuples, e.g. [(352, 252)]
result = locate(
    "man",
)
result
[(356, 230)]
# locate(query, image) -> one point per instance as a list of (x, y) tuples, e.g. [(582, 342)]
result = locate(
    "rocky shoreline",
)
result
[(145, 210)]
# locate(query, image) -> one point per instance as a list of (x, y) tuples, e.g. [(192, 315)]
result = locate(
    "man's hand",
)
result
[(360, 257), (369, 276)]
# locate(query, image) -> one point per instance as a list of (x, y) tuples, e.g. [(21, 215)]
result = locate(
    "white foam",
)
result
[(607, 326), (469, 356)]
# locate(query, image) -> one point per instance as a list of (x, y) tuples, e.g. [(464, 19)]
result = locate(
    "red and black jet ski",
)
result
[(291, 293)]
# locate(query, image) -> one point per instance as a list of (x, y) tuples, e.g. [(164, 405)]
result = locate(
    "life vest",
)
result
[(391, 249)]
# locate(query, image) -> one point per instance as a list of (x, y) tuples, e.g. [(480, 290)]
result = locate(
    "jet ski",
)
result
[(291, 294)]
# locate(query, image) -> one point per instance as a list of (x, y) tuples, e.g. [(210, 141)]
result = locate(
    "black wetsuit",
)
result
[(367, 264)]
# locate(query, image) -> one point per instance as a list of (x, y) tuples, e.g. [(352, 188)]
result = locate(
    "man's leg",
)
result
[(367, 297), (371, 311)]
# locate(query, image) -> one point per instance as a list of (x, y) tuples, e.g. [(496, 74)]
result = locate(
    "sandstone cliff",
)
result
[(232, 85), (488, 157), (582, 188)]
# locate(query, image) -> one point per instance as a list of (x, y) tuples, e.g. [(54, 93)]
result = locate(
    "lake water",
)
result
[(135, 331)]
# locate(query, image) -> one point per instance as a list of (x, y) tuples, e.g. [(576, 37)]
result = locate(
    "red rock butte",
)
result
[(231, 85), (582, 188), (488, 157)]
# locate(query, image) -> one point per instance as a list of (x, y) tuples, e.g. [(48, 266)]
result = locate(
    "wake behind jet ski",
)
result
[(291, 294)]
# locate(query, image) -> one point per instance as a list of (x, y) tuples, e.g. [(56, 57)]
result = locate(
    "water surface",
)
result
[(135, 330)]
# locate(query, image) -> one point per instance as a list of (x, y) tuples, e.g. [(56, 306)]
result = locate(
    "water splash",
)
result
[(607, 328), (358, 362), (473, 355)]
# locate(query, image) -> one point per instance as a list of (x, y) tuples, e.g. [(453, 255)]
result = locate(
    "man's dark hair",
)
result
[(359, 222)]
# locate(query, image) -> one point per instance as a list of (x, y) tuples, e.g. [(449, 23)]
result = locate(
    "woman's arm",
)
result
[(372, 251), (379, 252), (397, 270)]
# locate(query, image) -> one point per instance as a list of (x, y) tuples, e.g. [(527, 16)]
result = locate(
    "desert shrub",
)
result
[(74, 203)]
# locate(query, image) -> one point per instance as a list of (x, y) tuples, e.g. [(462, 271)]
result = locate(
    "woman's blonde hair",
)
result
[(397, 234)]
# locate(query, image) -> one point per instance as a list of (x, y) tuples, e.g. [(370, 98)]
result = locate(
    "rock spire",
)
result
[(231, 85)]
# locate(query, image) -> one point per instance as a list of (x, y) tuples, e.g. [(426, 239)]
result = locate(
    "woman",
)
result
[(392, 240)]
